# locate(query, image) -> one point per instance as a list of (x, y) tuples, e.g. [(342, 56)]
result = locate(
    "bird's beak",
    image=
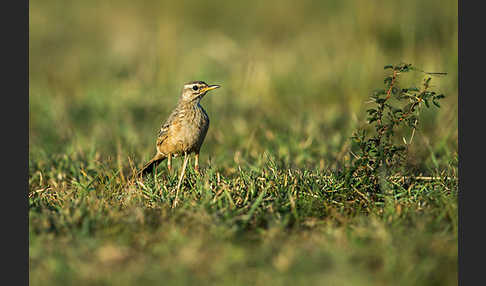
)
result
[(211, 87)]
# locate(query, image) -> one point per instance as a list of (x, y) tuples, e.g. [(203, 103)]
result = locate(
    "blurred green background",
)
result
[(296, 76)]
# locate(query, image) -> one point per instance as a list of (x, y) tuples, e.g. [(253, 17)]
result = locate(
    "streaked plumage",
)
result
[(185, 129)]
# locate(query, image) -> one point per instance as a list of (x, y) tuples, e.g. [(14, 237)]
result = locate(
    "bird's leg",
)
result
[(196, 162), (180, 178), (169, 162), (154, 170)]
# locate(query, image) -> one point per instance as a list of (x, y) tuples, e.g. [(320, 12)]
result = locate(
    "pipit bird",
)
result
[(185, 129)]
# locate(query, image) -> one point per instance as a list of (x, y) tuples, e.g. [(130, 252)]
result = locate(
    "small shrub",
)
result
[(394, 110)]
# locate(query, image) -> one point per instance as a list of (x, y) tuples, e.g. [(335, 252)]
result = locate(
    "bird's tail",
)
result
[(148, 168)]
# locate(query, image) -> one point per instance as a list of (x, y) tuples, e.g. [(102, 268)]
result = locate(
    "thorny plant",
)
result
[(395, 110)]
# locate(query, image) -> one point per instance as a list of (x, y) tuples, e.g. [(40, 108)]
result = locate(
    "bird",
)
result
[(184, 131)]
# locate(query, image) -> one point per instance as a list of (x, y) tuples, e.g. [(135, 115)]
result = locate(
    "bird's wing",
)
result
[(163, 132)]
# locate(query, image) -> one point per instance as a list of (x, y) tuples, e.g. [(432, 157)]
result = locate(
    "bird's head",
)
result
[(196, 90)]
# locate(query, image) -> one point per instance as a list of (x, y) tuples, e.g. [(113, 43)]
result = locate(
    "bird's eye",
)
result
[(195, 87)]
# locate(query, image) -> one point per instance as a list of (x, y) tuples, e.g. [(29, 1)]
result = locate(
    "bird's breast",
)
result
[(191, 129)]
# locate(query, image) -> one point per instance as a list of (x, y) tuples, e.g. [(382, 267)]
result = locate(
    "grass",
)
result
[(272, 205)]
